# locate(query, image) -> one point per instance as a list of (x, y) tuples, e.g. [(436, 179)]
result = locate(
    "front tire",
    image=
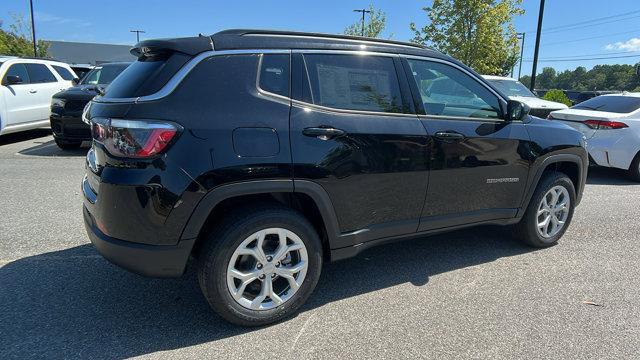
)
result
[(549, 212), (260, 265)]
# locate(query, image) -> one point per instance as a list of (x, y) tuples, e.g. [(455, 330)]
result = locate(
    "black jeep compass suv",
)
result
[(265, 154)]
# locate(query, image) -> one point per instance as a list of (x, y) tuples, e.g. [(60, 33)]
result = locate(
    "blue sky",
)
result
[(110, 21)]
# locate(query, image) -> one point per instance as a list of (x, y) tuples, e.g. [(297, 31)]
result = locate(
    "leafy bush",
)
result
[(557, 96)]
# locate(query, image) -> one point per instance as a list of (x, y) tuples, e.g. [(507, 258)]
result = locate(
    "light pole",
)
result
[(537, 48), (33, 30), (363, 11), (137, 34), (521, 54)]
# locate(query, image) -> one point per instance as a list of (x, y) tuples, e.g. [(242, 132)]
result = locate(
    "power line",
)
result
[(589, 38), (589, 22), (594, 58), (589, 55), (591, 25)]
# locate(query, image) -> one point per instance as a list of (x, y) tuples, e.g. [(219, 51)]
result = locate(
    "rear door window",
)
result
[(63, 72), (40, 73), (354, 82), (18, 70)]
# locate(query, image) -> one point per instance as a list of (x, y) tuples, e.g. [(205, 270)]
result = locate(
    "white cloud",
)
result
[(632, 44), (58, 20)]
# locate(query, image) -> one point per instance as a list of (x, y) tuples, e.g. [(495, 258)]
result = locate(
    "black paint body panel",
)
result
[(386, 177)]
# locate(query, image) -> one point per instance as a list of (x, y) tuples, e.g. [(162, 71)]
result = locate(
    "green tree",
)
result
[(525, 80), (479, 33), (16, 41), (617, 77), (557, 96), (547, 79), (373, 28)]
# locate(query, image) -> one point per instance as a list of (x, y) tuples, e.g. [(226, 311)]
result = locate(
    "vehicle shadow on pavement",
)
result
[(50, 148), (23, 136), (608, 176), (73, 303)]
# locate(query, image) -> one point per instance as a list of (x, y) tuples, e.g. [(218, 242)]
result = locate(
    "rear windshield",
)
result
[(145, 77), (615, 104), (103, 74)]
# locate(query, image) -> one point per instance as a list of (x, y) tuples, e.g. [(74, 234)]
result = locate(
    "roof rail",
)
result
[(28, 57), (249, 32)]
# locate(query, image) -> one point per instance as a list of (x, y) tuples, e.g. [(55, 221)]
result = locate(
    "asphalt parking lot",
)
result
[(468, 294)]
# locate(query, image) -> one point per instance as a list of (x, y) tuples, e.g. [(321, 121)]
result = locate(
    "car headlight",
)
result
[(85, 114), (55, 102)]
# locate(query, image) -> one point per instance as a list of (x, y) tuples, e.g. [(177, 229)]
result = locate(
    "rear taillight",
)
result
[(604, 124), (133, 138)]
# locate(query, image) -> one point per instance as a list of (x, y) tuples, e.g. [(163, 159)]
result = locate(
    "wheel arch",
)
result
[(570, 164), (307, 197)]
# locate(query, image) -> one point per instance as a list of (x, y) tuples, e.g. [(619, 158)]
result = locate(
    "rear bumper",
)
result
[(143, 259), (613, 151)]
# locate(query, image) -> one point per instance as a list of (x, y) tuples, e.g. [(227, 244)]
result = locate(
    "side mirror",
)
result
[(13, 80), (75, 81), (516, 110)]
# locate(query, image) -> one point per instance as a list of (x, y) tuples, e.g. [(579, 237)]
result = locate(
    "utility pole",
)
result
[(137, 34), (521, 54), (363, 11), (33, 30), (537, 48)]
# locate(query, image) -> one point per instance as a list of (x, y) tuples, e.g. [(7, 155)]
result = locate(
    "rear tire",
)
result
[(545, 219), (68, 145), (235, 273), (634, 169)]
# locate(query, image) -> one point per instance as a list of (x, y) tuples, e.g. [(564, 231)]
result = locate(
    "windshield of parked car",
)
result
[(615, 104), (512, 88), (103, 75)]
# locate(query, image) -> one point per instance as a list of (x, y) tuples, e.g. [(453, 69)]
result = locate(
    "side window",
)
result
[(18, 70), (447, 91), (39, 73), (92, 77), (64, 73), (274, 74), (354, 82)]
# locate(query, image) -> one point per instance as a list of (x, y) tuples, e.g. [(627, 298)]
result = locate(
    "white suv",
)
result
[(26, 90)]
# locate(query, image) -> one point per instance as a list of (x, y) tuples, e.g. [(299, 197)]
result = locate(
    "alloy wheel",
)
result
[(267, 269), (553, 211)]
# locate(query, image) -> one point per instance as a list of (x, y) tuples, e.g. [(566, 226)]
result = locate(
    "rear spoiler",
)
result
[(189, 45)]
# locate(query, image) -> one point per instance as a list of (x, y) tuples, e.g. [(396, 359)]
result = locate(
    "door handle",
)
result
[(33, 91), (322, 133), (449, 135)]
